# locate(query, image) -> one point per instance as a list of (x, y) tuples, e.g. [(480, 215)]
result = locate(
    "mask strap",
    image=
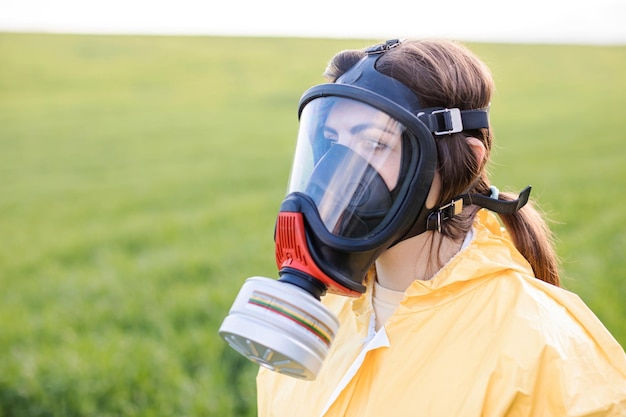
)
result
[(365, 75), (439, 120), (442, 121), (436, 218)]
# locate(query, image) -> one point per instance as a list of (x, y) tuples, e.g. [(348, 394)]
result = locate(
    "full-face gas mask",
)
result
[(364, 163)]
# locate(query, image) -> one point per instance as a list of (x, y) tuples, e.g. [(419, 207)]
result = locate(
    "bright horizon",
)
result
[(533, 21)]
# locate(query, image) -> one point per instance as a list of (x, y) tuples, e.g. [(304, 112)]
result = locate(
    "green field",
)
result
[(140, 178)]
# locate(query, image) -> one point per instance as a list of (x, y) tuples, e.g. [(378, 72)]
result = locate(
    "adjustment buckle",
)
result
[(444, 213), (451, 120), (452, 208), (383, 47)]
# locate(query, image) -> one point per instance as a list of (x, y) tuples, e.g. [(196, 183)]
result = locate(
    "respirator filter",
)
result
[(281, 327)]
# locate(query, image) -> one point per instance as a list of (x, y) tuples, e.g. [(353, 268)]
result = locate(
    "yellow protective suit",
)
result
[(482, 338)]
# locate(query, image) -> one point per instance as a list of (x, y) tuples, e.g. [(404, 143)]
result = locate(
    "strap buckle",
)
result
[(444, 213), (451, 121), (453, 208), (383, 47)]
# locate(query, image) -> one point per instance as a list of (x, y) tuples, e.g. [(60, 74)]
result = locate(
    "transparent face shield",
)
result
[(349, 162)]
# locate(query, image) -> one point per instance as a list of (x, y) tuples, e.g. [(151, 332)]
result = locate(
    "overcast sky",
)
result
[(552, 21)]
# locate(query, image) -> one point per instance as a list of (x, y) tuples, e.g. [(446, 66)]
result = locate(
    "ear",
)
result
[(478, 148)]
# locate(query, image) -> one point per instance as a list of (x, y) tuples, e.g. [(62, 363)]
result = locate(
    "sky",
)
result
[(530, 21)]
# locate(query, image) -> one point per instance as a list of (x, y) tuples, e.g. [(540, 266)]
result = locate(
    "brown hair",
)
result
[(447, 74)]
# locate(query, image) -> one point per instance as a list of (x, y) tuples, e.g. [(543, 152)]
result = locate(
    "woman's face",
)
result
[(372, 134)]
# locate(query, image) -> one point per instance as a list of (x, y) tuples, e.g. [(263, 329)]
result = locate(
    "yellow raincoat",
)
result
[(482, 338)]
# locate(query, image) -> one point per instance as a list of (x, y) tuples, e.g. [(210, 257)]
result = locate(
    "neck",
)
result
[(417, 258)]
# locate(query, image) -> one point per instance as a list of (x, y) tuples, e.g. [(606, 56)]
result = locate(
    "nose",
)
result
[(349, 140), (345, 139)]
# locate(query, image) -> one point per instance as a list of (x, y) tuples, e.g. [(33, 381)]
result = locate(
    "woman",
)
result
[(459, 317)]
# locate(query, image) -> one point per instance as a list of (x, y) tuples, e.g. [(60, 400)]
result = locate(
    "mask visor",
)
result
[(349, 161)]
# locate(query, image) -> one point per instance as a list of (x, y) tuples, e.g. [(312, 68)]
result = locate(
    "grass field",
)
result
[(140, 178)]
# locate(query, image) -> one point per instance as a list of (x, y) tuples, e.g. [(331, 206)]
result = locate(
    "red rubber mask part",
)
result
[(292, 252)]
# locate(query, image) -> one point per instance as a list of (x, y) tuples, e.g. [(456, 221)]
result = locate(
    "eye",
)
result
[(376, 145), (330, 136), (372, 142)]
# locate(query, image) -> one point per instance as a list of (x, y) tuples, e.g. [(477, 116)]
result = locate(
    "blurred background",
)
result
[(145, 149)]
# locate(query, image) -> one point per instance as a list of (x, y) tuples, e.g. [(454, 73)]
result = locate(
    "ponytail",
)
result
[(533, 239)]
